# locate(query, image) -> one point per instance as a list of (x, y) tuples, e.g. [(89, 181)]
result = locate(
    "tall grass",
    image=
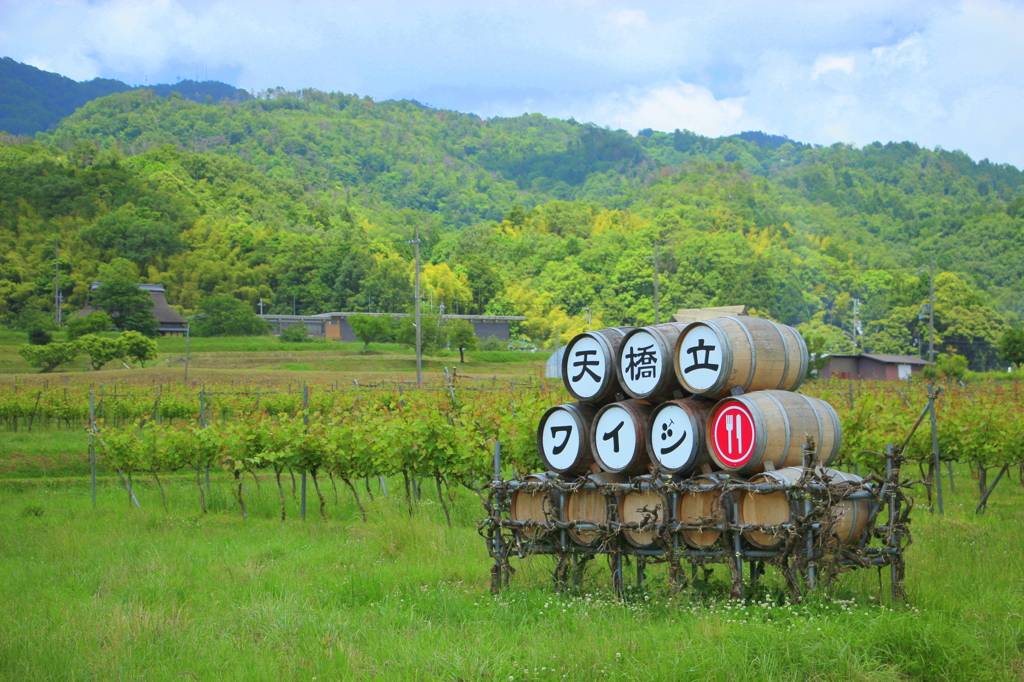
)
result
[(116, 593)]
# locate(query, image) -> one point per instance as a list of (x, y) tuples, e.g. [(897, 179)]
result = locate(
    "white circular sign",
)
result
[(585, 367), (673, 436), (560, 439), (615, 437), (640, 363), (700, 358)]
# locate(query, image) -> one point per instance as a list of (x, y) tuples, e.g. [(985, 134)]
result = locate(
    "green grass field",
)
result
[(265, 358), (116, 593)]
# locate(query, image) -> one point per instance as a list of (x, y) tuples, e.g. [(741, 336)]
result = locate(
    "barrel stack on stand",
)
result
[(688, 441)]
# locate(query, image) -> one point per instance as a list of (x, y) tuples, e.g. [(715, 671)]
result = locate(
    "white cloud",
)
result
[(937, 72), (667, 107), (827, 63), (629, 18)]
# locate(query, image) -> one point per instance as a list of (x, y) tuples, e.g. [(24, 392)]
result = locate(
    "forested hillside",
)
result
[(306, 200), (33, 100)]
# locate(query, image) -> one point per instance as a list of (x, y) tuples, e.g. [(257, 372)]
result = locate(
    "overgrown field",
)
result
[(121, 593), (266, 359)]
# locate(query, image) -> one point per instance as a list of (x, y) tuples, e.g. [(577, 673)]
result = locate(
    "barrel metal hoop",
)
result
[(805, 359), (785, 421), (753, 351), (856, 520), (760, 426), (727, 356), (837, 441), (817, 419), (785, 353)]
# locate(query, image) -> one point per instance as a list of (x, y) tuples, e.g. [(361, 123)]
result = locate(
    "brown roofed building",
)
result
[(871, 366), (169, 322), (688, 315)]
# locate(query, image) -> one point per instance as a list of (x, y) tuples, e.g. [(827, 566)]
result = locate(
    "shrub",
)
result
[(39, 337), (296, 333)]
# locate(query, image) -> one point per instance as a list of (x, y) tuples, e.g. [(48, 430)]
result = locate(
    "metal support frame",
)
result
[(810, 545)]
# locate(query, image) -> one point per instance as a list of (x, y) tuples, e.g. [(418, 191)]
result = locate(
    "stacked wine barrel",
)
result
[(710, 403)]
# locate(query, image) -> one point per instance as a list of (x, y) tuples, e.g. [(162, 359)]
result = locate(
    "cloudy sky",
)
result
[(936, 72)]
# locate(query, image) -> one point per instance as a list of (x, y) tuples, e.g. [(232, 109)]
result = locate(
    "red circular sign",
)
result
[(733, 434)]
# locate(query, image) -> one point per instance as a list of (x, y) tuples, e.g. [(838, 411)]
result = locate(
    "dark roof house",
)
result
[(871, 366), (335, 325), (169, 322)]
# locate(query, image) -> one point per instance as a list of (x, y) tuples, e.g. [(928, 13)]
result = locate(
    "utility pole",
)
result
[(188, 339), (588, 318), (419, 339), (656, 283), (261, 306), (56, 284), (931, 311), (856, 302)]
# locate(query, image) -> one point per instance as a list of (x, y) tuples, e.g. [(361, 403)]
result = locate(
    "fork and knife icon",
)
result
[(734, 423)]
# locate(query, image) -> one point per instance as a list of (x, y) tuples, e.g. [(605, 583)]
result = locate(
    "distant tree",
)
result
[(135, 347), (129, 307), (33, 317), (951, 366), (816, 350), (50, 356), (227, 316), (39, 337), (371, 328), (137, 233), (93, 323), (119, 268), (493, 343), (462, 335), (100, 349), (296, 333), (432, 335), (1011, 346)]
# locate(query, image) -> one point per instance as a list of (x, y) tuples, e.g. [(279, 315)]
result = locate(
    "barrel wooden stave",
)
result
[(631, 462), (782, 422), (757, 354), (530, 506), (850, 516), (590, 506), (631, 507), (691, 507), (582, 416), (698, 411), (608, 341)]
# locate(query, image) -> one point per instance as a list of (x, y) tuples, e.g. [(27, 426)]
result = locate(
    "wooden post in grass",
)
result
[(305, 422), (92, 443), (932, 394), (983, 505), (202, 423)]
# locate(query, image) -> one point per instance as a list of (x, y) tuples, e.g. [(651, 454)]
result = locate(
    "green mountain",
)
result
[(306, 199), (33, 100)]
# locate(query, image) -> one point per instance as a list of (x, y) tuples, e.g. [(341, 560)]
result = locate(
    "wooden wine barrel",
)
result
[(563, 438), (675, 435), (631, 510), (645, 362), (589, 365), (618, 437), (746, 431), (712, 357), (693, 506), (850, 516), (530, 506), (590, 506)]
